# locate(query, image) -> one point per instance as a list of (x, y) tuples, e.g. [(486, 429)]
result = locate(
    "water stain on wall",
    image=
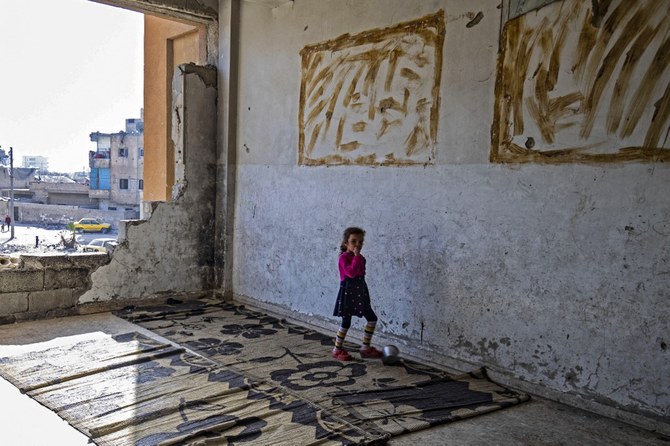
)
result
[(372, 98), (587, 81)]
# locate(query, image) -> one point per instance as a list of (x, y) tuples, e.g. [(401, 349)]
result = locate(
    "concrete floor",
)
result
[(24, 422)]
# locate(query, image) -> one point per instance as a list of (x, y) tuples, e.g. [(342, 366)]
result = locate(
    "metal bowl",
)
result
[(390, 355)]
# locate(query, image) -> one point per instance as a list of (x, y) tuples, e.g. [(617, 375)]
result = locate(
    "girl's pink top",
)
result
[(351, 265)]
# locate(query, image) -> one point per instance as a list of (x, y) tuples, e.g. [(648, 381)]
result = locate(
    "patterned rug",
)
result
[(238, 376), (133, 390), (377, 399)]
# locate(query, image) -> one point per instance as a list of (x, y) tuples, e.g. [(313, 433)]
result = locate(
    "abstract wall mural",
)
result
[(584, 81), (372, 98)]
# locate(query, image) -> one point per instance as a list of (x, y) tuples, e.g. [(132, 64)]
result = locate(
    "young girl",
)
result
[(353, 298)]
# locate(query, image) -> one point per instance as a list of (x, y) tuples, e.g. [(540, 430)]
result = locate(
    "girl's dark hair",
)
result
[(347, 232)]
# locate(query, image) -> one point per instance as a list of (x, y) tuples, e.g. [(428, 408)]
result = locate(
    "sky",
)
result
[(68, 68)]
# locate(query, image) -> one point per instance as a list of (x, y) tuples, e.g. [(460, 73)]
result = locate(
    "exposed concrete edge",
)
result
[(647, 422), (196, 12), (146, 301), (59, 261), (103, 307), (207, 74)]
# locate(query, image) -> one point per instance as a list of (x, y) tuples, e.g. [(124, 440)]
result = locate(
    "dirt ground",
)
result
[(31, 239)]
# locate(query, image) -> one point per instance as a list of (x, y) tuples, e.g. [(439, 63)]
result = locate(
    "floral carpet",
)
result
[(131, 389), (375, 401), (232, 376)]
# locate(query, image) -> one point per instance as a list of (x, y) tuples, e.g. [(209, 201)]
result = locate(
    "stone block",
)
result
[(42, 261), (11, 303), (66, 278), (8, 261), (13, 281), (90, 260), (44, 301)]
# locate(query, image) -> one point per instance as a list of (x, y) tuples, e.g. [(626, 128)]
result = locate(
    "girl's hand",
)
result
[(357, 250)]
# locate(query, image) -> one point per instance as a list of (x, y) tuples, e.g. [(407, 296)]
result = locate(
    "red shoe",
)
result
[(342, 355), (371, 353)]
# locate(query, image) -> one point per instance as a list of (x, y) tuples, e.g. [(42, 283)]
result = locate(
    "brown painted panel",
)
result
[(372, 98), (584, 82)]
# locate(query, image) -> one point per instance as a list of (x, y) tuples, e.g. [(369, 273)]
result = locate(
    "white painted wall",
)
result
[(555, 275)]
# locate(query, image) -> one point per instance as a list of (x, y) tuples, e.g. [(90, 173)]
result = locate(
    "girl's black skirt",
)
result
[(353, 299)]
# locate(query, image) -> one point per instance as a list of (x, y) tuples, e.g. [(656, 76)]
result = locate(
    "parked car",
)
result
[(91, 225), (101, 245)]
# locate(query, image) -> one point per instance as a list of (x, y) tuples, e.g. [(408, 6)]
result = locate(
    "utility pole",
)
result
[(11, 189)]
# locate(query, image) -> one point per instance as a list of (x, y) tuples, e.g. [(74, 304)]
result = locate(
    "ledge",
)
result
[(42, 285), (64, 261)]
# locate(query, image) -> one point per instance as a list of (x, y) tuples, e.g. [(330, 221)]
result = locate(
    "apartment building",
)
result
[(41, 163), (117, 167)]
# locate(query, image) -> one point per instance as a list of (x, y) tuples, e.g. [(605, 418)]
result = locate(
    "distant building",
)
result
[(41, 163), (60, 190), (22, 177), (117, 167), (81, 177)]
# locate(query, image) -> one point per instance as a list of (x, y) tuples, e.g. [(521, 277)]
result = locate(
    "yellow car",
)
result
[(91, 225)]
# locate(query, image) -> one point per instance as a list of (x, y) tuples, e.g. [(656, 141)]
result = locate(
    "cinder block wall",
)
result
[(40, 286)]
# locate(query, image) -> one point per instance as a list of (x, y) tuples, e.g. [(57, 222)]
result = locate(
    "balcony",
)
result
[(99, 194), (99, 163), (99, 159)]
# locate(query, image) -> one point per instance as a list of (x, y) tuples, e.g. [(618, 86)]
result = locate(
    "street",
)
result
[(32, 238)]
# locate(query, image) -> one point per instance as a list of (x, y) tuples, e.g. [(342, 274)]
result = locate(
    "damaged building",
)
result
[(117, 168), (508, 161)]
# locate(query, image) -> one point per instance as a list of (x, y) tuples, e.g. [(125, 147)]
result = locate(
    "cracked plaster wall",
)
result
[(556, 276), (173, 251)]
